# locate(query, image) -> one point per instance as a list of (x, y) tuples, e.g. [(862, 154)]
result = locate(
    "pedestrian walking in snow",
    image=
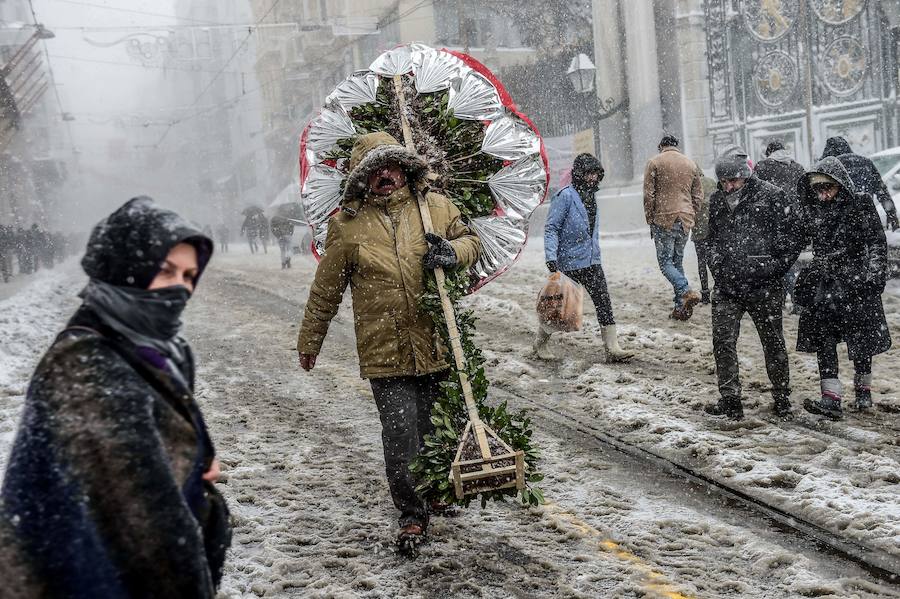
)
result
[(376, 245), (780, 169), (841, 288), (673, 195), (224, 233), (283, 230), (571, 245), (700, 231), (865, 176), (7, 247), (251, 230), (108, 491), (753, 240)]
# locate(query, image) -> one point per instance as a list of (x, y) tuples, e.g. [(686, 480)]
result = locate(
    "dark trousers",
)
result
[(828, 363), (702, 262), (594, 282), (404, 406), (764, 308)]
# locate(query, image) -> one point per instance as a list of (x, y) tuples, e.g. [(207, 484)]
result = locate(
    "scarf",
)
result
[(586, 193), (148, 319)]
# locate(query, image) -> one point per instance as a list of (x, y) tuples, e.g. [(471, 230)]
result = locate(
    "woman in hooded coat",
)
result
[(841, 288), (109, 492)]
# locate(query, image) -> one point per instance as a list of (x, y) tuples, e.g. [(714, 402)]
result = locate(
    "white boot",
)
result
[(614, 353), (540, 344)]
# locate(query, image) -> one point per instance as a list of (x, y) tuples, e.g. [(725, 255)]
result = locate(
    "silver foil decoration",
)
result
[(321, 193), (519, 187), (508, 138), (501, 241), (356, 90), (393, 62), (331, 125), (474, 98), (435, 70)]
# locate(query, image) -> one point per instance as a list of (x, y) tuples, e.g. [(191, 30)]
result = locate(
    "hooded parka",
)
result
[(862, 171), (375, 244), (841, 288), (781, 170)]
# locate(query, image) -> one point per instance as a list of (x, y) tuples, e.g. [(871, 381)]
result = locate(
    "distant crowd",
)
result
[(24, 251)]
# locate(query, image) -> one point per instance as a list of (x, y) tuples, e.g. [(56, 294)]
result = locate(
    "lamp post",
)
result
[(582, 74)]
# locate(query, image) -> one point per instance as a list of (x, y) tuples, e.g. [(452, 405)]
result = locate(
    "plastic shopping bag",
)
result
[(560, 305)]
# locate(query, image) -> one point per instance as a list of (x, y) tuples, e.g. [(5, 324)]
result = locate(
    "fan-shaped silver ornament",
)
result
[(519, 187), (331, 125), (474, 98), (320, 233), (509, 138), (435, 70), (358, 89), (502, 238), (393, 62), (321, 194)]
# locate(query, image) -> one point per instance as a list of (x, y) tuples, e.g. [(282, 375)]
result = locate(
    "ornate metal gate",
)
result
[(790, 68)]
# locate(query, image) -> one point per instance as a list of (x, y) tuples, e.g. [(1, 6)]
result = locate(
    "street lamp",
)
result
[(582, 74)]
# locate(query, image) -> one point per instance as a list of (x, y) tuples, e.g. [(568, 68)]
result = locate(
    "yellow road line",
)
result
[(654, 581)]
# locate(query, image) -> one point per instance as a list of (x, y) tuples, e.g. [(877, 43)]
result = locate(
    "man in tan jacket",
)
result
[(673, 195), (376, 244)]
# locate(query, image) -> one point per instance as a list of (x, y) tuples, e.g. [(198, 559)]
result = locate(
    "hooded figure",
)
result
[(865, 176), (108, 492), (376, 244), (571, 244), (841, 288)]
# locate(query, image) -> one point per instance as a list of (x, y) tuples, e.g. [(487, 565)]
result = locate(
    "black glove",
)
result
[(551, 266), (440, 253), (892, 222)]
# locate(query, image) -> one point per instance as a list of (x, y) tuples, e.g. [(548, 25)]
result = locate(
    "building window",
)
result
[(482, 25)]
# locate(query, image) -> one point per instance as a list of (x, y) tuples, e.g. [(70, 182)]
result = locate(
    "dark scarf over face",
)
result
[(148, 319), (584, 164)]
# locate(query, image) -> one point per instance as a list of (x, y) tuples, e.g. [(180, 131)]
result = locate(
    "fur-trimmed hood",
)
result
[(371, 152), (830, 167)]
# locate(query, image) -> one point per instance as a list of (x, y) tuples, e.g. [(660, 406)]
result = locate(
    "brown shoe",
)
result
[(681, 313), (690, 299), (409, 538)]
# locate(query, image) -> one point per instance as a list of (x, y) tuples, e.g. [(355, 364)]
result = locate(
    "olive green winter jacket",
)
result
[(375, 245)]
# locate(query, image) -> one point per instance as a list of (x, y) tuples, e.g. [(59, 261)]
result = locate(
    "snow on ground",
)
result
[(304, 471), (30, 319), (842, 476)]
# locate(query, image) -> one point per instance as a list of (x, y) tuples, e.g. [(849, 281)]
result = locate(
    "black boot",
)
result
[(829, 404), (727, 406), (782, 407), (862, 385)]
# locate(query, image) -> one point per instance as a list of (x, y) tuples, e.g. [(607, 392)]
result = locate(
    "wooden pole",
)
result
[(446, 305)]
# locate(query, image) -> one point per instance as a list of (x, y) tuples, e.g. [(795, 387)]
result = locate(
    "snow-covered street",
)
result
[(303, 467)]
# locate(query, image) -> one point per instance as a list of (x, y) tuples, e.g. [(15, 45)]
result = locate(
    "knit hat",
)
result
[(733, 165)]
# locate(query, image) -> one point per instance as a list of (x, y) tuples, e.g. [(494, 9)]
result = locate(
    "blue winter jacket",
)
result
[(567, 240)]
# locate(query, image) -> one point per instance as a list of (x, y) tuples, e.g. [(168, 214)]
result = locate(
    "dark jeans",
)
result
[(702, 262), (594, 282), (764, 308), (828, 363), (404, 405)]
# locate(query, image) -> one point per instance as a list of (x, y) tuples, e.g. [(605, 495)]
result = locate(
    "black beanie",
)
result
[(128, 247)]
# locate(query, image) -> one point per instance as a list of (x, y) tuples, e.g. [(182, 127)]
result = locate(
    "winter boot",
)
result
[(727, 406), (409, 538), (862, 384), (829, 405), (782, 407), (540, 345), (614, 353)]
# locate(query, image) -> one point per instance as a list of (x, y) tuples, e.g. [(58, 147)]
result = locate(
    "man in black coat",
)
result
[(752, 242), (865, 176), (780, 169), (7, 243), (841, 288)]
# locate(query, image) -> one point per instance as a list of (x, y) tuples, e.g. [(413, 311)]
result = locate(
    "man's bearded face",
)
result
[(387, 180)]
